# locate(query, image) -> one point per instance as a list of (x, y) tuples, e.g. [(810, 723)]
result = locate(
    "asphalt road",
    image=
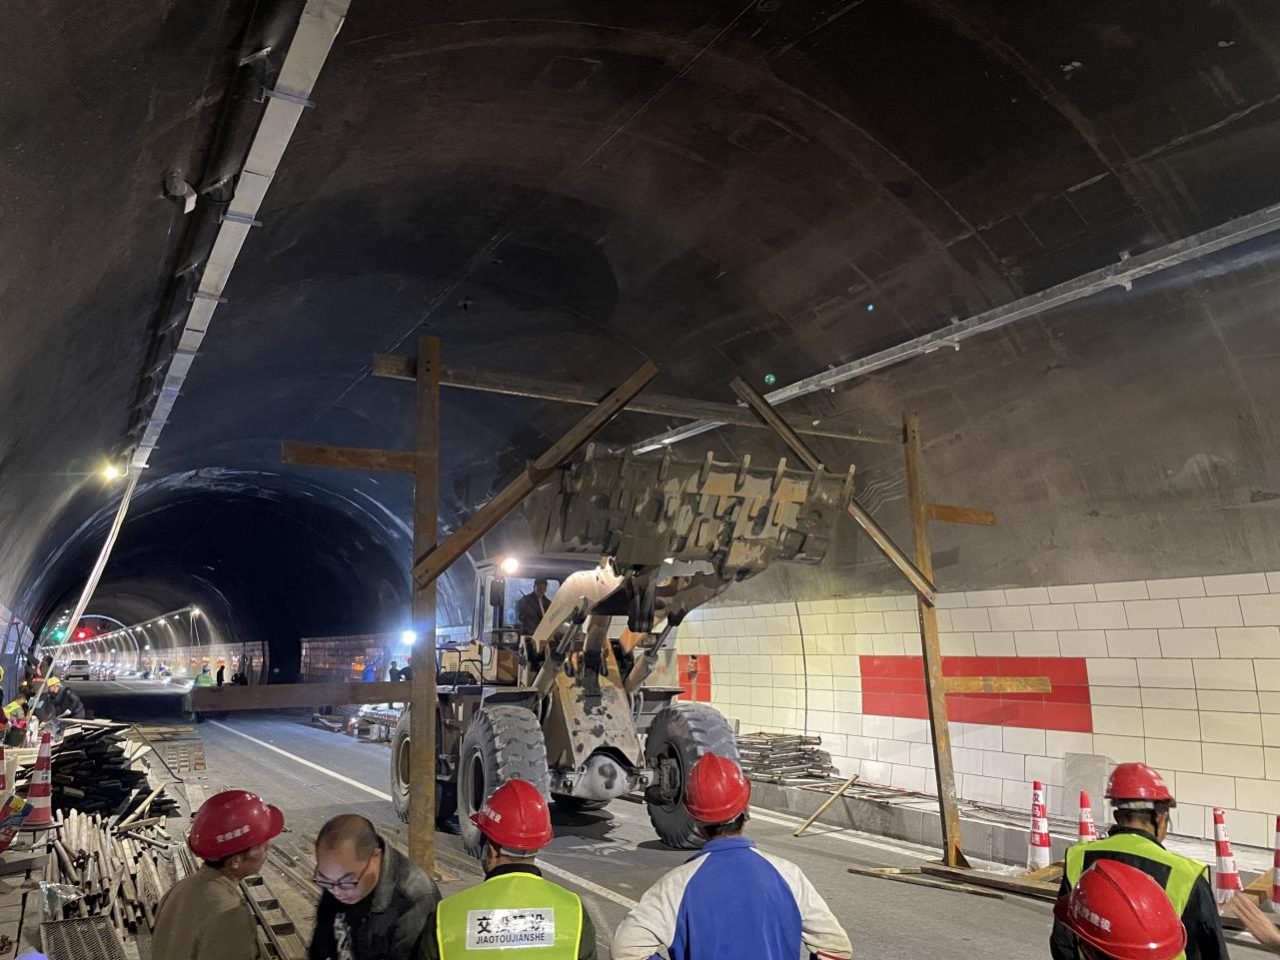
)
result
[(131, 699)]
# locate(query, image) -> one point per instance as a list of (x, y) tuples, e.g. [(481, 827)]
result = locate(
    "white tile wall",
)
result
[(1183, 672)]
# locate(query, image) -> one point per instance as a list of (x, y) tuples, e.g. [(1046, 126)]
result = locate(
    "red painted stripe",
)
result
[(894, 687)]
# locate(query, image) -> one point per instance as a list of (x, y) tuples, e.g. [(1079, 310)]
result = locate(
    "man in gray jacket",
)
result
[(375, 903)]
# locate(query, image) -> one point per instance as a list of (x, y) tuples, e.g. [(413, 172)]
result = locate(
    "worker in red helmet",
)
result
[(514, 908), (1140, 801), (204, 917), (1117, 912), (731, 900)]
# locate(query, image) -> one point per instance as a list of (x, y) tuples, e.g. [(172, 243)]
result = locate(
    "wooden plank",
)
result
[(946, 513), (922, 584), (441, 557), (278, 696), (980, 878), (919, 881), (345, 458), (997, 685), (931, 649), (422, 698), (681, 408)]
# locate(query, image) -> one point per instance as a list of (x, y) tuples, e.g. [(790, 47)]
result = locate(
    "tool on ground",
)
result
[(1226, 878), (822, 809), (1038, 843), (1088, 833)]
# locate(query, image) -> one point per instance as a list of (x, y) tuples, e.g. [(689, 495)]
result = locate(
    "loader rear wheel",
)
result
[(446, 790), (680, 734), (567, 804), (502, 743)]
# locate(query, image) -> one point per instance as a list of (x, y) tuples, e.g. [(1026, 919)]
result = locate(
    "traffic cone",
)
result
[(41, 790), (1226, 878), (1087, 832), (1038, 845), (1274, 904)]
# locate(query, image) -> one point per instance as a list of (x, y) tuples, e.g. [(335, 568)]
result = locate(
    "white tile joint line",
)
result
[(555, 871)]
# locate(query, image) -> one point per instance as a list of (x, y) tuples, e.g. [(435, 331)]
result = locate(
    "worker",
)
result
[(515, 908), (15, 720), (533, 607), (204, 917), (204, 679), (222, 672), (59, 701), (1141, 801), (1117, 912), (731, 899), (376, 901)]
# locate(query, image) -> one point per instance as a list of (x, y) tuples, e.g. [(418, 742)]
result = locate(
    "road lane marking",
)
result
[(546, 867)]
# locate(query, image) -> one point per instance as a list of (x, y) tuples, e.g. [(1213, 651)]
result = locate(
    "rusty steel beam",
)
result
[(923, 585), (946, 513), (422, 713), (438, 559), (278, 696), (931, 648), (345, 458), (997, 685), (404, 368)]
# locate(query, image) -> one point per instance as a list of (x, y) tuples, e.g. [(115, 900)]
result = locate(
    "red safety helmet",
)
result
[(515, 817), (1137, 786), (1122, 913), (716, 791), (231, 822)]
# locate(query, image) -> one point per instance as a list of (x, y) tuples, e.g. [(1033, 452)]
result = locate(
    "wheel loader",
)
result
[(573, 701)]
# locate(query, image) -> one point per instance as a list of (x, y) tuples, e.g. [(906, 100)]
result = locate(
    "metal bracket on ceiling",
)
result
[(289, 97), (233, 217)]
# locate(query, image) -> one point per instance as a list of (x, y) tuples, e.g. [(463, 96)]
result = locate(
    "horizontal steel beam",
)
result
[(279, 696), (393, 367), (1120, 274), (946, 513), (997, 685), (344, 458)]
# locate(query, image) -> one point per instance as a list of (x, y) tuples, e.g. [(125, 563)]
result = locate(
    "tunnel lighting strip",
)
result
[(1120, 274), (317, 28), (127, 631)]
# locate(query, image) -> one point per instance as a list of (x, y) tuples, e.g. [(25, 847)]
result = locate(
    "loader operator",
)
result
[(204, 917), (731, 900), (1141, 802), (514, 908), (1117, 912), (533, 607)]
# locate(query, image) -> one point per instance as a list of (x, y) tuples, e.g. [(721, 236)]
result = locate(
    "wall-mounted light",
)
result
[(510, 565), (408, 638)]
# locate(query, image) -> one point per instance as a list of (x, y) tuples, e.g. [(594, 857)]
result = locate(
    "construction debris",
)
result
[(784, 758)]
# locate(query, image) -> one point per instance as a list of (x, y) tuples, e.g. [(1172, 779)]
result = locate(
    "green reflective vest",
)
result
[(1183, 871), (204, 680), (510, 911)]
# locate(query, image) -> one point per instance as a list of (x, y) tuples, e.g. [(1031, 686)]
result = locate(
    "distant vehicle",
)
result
[(77, 670)]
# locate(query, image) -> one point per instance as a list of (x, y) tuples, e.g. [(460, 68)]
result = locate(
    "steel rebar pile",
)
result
[(783, 758)]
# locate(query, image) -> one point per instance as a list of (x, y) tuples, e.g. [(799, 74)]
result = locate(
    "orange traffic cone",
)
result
[(1087, 832), (1038, 845), (1226, 879), (40, 794), (1274, 905)]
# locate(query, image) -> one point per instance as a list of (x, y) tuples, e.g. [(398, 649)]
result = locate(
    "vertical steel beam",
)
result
[(935, 685), (422, 696)]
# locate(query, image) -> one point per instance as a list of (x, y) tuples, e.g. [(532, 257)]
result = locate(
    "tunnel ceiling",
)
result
[(561, 189)]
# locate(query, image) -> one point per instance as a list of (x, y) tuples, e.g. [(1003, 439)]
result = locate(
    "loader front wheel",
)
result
[(502, 743), (680, 734), (446, 790)]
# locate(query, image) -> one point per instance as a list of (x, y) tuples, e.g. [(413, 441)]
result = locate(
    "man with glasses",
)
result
[(376, 901)]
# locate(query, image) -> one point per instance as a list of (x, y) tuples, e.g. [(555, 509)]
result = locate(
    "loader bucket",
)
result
[(642, 510)]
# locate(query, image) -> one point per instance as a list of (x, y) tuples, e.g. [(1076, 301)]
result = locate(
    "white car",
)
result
[(77, 670)]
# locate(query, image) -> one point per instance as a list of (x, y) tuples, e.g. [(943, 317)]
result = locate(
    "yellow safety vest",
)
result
[(204, 680), (512, 911), (14, 708), (1183, 872)]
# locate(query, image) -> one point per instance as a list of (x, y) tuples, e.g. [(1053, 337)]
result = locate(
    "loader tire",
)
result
[(680, 734), (446, 790), (502, 743), (567, 804)]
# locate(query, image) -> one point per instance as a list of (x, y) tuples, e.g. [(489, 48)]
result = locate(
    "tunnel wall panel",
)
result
[(1182, 673)]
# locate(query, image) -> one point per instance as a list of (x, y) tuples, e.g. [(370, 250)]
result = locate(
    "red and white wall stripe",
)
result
[(1184, 674)]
